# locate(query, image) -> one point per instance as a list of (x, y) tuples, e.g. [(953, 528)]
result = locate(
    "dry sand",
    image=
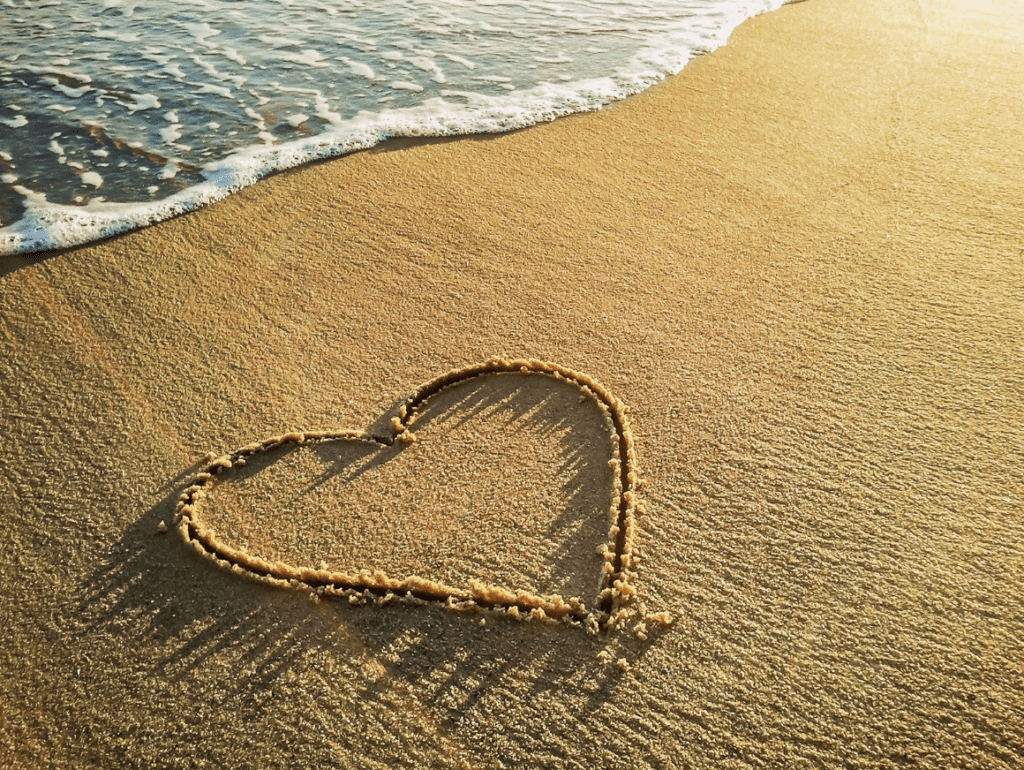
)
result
[(799, 263)]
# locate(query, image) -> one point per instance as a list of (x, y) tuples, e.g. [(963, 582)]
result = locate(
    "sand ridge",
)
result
[(615, 594)]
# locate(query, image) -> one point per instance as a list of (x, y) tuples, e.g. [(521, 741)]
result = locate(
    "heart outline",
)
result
[(614, 594)]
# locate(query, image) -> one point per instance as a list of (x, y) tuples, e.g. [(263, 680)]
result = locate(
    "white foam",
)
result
[(308, 57), (123, 37), (170, 169), (73, 93), (170, 134), (201, 32), (175, 70), (280, 42), (427, 64), (91, 177), (358, 68), (560, 59), (323, 109), (210, 88), (216, 74), (143, 102), (233, 55), (156, 55), (460, 60), (16, 122), (241, 104)]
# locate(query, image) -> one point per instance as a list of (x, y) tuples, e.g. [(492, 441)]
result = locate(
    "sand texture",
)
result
[(799, 264)]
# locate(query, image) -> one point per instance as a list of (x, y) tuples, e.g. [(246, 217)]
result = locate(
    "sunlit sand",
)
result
[(798, 267)]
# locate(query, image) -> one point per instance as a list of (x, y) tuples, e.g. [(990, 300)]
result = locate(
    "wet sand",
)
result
[(798, 264)]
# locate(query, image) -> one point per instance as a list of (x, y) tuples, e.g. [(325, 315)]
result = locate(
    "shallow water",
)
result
[(119, 113)]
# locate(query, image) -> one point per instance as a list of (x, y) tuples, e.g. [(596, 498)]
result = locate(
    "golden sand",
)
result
[(798, 263)]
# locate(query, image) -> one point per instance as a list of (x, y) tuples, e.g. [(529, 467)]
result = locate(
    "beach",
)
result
[(797, 264)]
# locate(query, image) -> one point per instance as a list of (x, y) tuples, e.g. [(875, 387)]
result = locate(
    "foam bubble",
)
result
[(308, 57), (171, 133), (460, 60), (91, 177), (73, 93), (175, 70), (143, 102), (359, 68)]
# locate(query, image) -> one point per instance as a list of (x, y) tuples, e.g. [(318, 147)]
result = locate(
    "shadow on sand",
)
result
[(204, 623)]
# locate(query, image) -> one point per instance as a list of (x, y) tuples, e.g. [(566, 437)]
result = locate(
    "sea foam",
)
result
[(128, 112)]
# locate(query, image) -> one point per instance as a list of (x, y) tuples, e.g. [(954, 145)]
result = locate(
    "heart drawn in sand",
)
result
[(615, 593)]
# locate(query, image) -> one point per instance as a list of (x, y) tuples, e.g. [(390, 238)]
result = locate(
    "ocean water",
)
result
[(115, 114)]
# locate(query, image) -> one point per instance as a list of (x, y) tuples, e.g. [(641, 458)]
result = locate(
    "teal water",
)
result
[(118, 113)]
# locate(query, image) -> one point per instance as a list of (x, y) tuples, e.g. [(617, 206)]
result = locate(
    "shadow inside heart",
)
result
[(508, 482)]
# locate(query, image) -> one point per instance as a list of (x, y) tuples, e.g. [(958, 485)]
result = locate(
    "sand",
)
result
[(798, 263)]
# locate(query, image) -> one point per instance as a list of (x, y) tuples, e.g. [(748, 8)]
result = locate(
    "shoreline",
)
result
[(796, 263), (42, 226)]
